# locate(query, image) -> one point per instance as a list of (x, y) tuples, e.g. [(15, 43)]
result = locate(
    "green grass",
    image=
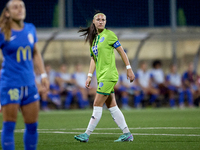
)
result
[(57, 130)]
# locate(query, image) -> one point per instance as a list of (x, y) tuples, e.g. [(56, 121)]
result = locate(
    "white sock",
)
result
[(119, 119), (96, 116)]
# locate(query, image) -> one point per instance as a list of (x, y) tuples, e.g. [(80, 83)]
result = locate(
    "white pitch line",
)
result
[(147, 128), (51, 129), (56, 131), (139, 128), (59, 132)]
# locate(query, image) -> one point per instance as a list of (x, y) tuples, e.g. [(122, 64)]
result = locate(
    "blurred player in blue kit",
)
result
[(17, 88), (174, 84), (190, 87)]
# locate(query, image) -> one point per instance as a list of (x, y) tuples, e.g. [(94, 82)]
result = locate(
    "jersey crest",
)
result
[(102, 39), (30, 38)]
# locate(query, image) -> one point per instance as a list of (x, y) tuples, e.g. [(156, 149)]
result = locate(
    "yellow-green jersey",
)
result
[(103, 52)]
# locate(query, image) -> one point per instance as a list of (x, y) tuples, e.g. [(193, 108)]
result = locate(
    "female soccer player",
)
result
[(17, 87), (102, 43)]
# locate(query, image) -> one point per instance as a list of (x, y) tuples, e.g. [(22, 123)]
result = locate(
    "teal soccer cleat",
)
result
[(126, 137), (82, 137)]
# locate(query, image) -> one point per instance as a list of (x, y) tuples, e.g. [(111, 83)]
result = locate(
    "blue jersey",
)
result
[(191, 77), (174, 79), (17, 67)]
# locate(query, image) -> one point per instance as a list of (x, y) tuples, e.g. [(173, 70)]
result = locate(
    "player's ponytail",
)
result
[(89, 33), (5, 24)]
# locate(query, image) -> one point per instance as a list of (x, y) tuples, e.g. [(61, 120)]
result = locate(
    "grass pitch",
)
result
[(153, 129)]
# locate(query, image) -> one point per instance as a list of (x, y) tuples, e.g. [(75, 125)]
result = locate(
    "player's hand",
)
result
[(130, 75), (87, 83), (45, 83)]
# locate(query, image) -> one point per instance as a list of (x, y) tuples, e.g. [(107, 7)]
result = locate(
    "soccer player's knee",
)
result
[(32, 128), (97, 104), (9, 126)]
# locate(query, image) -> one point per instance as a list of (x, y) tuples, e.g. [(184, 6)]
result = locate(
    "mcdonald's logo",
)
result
[(24, 51)]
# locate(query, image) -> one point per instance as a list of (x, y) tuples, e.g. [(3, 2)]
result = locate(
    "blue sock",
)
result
[(125, 101), (181, 98), (190, 97), (141, 96), (153, 98), (86, 102), (137, 100), (31, 136), (68, 100), (7, 135), (44, 104), (171, 102), (80, 99)]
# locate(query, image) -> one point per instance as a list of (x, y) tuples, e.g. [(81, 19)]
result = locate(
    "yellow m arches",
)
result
[(25, 50)]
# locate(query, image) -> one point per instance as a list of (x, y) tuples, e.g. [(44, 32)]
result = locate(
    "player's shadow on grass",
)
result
[(104, 139)]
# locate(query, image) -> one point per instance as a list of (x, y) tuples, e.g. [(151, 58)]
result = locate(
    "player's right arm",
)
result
[(40, 65), (113, 41), (130, 74), (90, 73)]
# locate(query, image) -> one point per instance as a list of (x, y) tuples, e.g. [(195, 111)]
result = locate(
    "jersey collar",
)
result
[(102, 32)]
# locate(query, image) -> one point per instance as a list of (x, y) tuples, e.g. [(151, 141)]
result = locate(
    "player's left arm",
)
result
[(38, 62), (130, 74), (90, 73)]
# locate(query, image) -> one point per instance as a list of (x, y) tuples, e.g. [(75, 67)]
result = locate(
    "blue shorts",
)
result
[(175, 89), (123, 88), (19, 95), (136, 88), (172, 88)]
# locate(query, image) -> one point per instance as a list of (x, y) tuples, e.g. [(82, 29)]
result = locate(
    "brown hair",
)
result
[(90, 32), (5, 23)]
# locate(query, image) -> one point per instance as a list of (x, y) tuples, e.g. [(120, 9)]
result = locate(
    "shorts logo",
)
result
[(30, 38), (102, 39), (36, 96), (101, 84)]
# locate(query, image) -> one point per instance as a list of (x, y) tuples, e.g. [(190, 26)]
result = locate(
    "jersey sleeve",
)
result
[(167, 77), (73, 76), (151, 75), (136, 75), (113, 40), (57, 74), (91, 52)]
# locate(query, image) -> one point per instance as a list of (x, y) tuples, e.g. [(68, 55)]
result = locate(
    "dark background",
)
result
[(120, 13)]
